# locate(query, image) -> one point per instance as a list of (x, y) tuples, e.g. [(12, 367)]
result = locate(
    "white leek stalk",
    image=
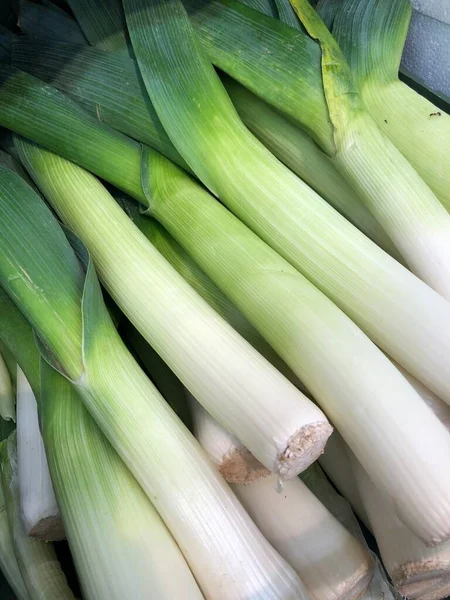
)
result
[(8, 562), (38, 564), (7, 408), (417, 571), (330, 561), (38, 508), (340, 508), (234, 461)]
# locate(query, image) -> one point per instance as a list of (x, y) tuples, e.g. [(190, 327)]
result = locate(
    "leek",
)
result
[(119, 543), (167, 383), (233, 460), (111, 525), (364, 288), (7, 404), (37, 560), (65, 307), (278, 424), (38, 508), (371, 35), (236, 39)]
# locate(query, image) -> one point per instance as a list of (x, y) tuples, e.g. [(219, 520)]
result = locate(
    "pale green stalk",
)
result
[(295, 318), (227, 554), (37, 560), (330, 561), (7, 403), (372, 35)]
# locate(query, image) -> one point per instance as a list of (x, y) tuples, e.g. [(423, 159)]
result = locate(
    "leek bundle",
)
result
[(288, 431), (296, 333), (65, 307), (413, 328)]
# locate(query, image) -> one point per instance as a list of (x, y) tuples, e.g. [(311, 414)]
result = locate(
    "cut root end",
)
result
[(304, 447), (50, 529), (240, 466)]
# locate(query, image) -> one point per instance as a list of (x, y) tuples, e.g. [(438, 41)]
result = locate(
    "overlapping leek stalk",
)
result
[(348, 268), (371, 35), (38, 564), (65, 307), (417, 571), (300, 332), (282, 66), (301, 154), (330, 561), (111, 524), (38, 507)]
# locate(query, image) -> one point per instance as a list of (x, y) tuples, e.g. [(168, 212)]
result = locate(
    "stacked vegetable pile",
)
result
[(224, 231)]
